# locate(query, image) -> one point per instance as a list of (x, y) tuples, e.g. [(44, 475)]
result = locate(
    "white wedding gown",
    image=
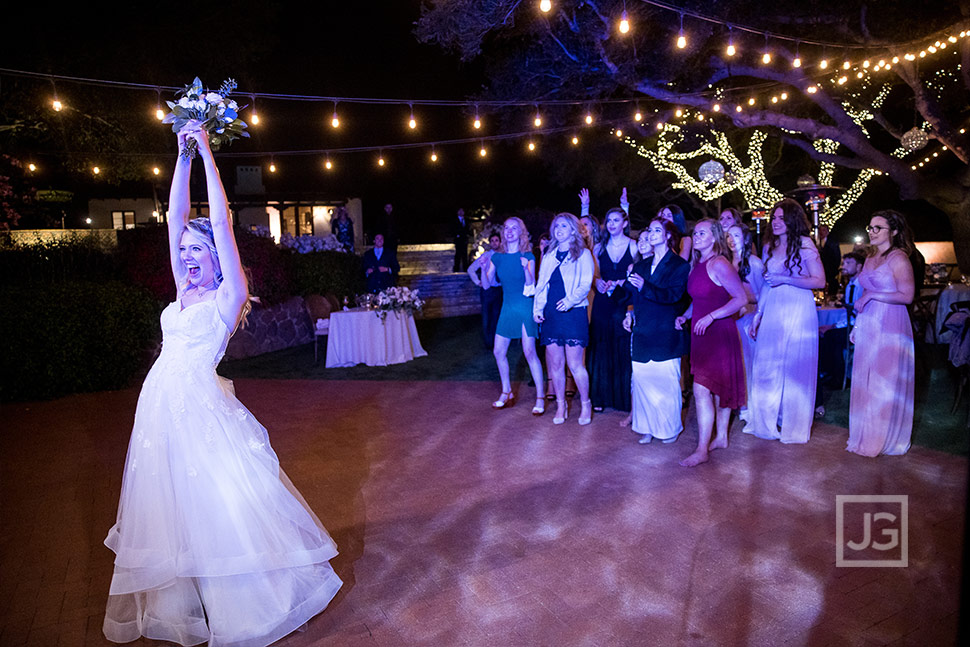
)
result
[(212, 541)]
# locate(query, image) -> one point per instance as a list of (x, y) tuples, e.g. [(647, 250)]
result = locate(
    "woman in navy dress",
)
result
[(609, 343), (561, 299)]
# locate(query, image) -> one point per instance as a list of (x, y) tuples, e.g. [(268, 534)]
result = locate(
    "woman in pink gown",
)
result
[(883, 365), (786, 329)]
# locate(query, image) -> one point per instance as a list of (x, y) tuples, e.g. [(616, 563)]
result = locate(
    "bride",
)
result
[(212, 540)]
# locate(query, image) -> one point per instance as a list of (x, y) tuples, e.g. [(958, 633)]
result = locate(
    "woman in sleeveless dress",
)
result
[(657, 290), (883, 365), (752, 272), (561, 299), (213, 542), (515, 269), (715, 346), (609, 344), (785, 328)]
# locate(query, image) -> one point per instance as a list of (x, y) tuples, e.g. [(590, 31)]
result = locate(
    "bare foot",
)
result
[(626, 421), (694, 459), (718, 443)]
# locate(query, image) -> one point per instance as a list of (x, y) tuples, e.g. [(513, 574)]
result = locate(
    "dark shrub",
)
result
[(268, 276), (73, 337), (335, 273)]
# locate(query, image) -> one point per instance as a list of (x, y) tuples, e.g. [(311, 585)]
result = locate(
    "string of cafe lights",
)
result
[(861, 71)]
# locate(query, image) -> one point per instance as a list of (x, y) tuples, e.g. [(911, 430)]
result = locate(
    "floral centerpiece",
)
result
[(306, 243), (218, 114), (397, 299)]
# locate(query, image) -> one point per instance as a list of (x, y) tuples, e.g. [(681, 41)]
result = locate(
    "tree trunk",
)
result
[(951, 195)]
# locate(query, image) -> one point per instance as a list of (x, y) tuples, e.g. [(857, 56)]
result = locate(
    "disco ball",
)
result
[(711, 172), (915, 139)]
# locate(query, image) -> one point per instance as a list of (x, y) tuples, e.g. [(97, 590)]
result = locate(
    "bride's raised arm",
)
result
[(179, 205), (234, 291)]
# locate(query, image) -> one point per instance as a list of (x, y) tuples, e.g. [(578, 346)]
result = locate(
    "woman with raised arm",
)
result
[(786, 329), (883, 365), (515, 269), (715, 347), (562, 296), (751, 270), (609, 343), (658, 290), (212, 540)]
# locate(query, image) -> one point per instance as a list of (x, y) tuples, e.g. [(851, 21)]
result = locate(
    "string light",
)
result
[(678, 112), (618, 133), (434, 155), (156, 171), (272, 167), (328, 164), (478, 120), (589, 119), (159, 113), (532, 146), (380, 160), (56, 104), (731, 50), (31, 167), (638, 116), (96, 170), (545, 6), (575, 140), (412, 122), (823, 64), (253, 117), (624, 23), (797, 61), (766, 57), (335, 119), (538, 119), (681, 39)]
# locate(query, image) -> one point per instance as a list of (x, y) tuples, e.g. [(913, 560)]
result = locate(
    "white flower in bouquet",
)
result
[(219, 118)]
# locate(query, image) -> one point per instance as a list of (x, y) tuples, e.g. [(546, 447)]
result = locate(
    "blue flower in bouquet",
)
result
[(218, 114)]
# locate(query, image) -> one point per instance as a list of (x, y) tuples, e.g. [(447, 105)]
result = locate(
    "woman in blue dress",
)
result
[(609, 343), (561, 299), (515, 269)]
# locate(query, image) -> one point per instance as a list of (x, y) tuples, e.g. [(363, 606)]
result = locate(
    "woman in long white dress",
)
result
[(786, 329), (212, 541), (883, 365)]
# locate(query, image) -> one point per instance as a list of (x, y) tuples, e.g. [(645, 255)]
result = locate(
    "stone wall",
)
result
[(272, 328)]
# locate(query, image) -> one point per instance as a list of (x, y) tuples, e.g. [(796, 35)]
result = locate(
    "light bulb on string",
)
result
[(254, 117), (681, 39), (638, 116), (545, 6), (678, 112), (156, 171), (412, 122), (797, 61), (575, 140), (482, 152), (716, 107), (766, 56), (478, 120), (730, 50), (532, 146), (272, 167), (96, 170), (618, 132), (159, 113), (328, 164), (56, 104), (846, 65), (624, 23), (335, 120), (589, 118), (380, 159), (538, 118), (434, 155), (31, 167)]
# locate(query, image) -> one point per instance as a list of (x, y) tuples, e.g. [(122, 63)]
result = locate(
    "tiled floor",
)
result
[(459, 525)]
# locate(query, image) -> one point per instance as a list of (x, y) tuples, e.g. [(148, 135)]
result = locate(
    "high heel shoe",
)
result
[(540, 407), (504, 401), (587, 407), (560, 406)]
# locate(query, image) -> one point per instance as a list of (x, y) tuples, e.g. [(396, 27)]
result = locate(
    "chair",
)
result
[(319, 309), (923, 316)]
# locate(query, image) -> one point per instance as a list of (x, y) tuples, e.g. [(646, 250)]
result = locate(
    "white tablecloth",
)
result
[(358, 336), (951, 294), (832, 316)]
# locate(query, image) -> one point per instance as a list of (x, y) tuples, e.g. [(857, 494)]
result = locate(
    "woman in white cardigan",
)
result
[(560, 309)]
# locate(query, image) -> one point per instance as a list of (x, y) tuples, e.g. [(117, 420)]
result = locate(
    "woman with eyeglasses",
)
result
[(883, 367), (785, 364)]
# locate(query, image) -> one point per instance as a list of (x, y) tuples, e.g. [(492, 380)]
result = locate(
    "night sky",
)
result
[(326, 48)]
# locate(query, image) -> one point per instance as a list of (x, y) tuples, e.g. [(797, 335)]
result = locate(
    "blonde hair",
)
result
[(201, 227), (525, 241), (577, 243)]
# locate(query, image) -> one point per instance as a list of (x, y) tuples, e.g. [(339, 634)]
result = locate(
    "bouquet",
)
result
[(397, 300), (218, 114)]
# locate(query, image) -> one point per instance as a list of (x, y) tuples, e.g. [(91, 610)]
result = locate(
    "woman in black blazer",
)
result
[(658, 293)]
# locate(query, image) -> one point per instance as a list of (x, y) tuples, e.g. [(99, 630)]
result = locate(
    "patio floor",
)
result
[(459, 525)]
